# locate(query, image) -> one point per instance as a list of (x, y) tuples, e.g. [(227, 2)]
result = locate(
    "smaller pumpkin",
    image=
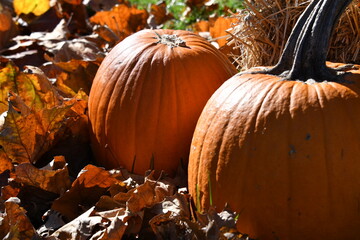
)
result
[(147, 96)]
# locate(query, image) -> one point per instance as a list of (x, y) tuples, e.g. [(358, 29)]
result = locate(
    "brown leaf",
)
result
[(103, 5), (122, 20), (218, 29), (15, 223), (148, 194), (32, 86), (52, 179), (8, 29), (8, 192), (108, 225), (5, 162), (91, 184), (159, 14), (26, 138)]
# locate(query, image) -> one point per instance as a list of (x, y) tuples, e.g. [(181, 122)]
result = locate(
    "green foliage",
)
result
[(183, 19)]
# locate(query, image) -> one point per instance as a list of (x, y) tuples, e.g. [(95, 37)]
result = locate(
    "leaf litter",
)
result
[(50, 187)]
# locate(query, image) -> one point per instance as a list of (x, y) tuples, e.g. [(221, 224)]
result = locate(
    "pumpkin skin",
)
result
[(147, 96), (283, 154)]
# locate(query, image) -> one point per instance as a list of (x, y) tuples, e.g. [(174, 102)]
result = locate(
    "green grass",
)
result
[(177, 8)]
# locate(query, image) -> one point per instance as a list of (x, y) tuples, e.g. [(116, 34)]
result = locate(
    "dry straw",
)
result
[(264, 26)]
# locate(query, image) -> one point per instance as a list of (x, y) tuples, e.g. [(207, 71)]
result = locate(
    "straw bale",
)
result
[(264, 26)]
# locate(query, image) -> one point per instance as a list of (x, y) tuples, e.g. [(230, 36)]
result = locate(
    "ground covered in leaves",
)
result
[(51, 188)]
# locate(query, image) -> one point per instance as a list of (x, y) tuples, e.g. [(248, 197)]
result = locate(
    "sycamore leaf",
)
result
[(51, 180), (37, 7), (122, 20), (32, 86), (25, 138), (18, 136)]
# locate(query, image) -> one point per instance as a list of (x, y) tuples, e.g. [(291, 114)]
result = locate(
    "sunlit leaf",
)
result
[(52, 180), (86, 190), (36, 7), (15, 223), (25, 138), (32, 86), (218, 29), (122, 20)]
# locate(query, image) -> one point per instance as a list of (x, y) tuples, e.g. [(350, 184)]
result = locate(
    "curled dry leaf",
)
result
[(91, 183), (54, 180), (14, 222), (122, 20), (109, 225)]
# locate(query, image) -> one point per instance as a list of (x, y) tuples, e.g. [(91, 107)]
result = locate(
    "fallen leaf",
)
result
[(25, 138), (94, 225), (122, 19), (36, 7), (15, 223), (91, 183), (159, 14), (8, 29), (55, 180), (219, 27), (5, 162), (101, 5), (32, 86)]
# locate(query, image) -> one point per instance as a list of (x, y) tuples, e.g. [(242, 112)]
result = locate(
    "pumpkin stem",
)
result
[(304, 56), (171, 40)]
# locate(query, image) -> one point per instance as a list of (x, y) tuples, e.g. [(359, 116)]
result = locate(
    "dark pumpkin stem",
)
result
[(304, 56)]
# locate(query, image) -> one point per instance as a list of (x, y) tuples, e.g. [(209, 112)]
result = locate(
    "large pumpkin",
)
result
[(147, 96), (282, 146)]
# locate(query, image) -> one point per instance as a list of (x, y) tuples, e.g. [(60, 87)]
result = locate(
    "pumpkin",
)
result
[(281, 145), (147, 96)]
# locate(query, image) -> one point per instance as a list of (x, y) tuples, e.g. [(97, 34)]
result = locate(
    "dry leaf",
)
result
[(36, 7), (122, 20), (159, 14), (103, 5), (32, 86), (94, 225), (15, 223), (91, 183), (25, 138), (55, 180), (219, 27), (148, 194), (5, 162), (8, 29)]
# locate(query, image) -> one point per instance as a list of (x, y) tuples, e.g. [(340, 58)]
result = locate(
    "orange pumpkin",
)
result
[(282, 146), (147, 96)]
